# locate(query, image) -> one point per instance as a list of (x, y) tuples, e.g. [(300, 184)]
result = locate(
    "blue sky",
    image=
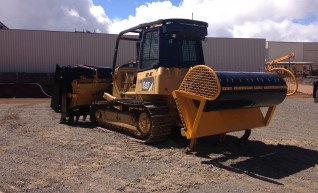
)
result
[(274, 20), (310, 18), (123, 8)]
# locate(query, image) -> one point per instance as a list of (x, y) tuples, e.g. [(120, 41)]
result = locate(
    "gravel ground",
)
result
[(40, 155)]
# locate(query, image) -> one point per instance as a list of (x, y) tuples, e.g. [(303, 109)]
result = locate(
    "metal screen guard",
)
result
[(201, 81)]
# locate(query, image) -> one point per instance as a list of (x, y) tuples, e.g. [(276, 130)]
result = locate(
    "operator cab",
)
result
[(173, 43), (166, 43), (166, 49)]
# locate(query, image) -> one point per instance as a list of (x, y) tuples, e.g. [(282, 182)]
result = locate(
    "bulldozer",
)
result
[(168, 87)]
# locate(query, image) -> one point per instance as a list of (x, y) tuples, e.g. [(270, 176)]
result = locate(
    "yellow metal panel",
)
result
[(187, 110), (123, 80), (269, 115), (87, 92), (218, 122), (139, 83), (165, 80), (199, 123)]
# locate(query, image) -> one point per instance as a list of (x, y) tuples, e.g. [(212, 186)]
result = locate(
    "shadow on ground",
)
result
[(256, 159)]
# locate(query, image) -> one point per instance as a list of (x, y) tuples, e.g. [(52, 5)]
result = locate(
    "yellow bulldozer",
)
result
[(168, 87)]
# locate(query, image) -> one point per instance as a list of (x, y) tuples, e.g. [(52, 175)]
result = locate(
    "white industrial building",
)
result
[(305, 61), (39, 51), (28, 56), (304, 51)]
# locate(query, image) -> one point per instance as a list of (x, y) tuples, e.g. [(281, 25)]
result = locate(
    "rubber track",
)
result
[(159, 112)]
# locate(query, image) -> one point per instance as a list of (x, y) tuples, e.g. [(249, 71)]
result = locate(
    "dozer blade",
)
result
[(76, 88)]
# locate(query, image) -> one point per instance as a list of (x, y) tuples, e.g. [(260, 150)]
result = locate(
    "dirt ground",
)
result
[(40, 155)]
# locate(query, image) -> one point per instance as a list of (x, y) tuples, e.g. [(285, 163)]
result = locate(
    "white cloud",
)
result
[(145, 13), (270, 19), (57, 15), (99, 14), (277, 31)]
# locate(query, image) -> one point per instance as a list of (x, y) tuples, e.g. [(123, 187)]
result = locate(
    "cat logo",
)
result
[(147, 84)]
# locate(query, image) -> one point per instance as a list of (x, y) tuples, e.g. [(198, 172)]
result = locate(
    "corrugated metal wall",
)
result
[(39, 51), (279, 49), (235, 54), (304, 51), (311, 52)]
